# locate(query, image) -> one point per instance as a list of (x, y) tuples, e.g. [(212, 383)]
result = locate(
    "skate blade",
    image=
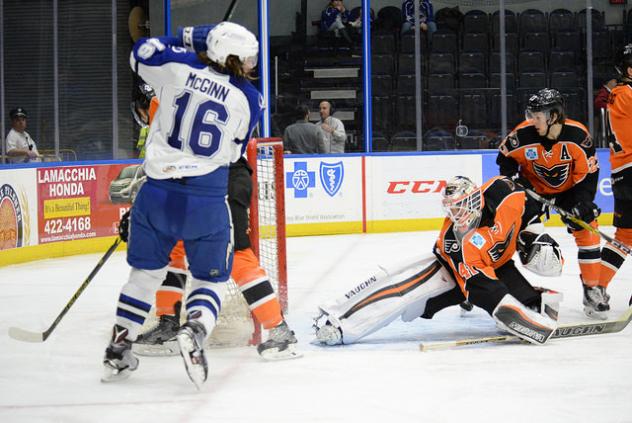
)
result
[(196, 371), (166, 349), (274, 354), (597, 315)]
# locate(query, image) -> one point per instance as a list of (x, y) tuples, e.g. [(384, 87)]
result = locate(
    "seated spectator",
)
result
[(332, 128), (21, 147), (426, 17), (303, 137), (336, 18)]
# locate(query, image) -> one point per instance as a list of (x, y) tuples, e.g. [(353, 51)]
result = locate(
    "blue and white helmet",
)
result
[(228, 38)]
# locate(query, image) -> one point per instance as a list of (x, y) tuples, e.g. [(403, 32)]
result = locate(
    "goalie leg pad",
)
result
[(514, 317), (395, 291)]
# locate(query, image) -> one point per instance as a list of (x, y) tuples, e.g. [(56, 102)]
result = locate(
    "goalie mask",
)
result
[(540, 253), (463, 204)]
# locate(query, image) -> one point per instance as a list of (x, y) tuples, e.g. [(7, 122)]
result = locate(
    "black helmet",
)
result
[(624, 61), (547, 100), (146, 94)]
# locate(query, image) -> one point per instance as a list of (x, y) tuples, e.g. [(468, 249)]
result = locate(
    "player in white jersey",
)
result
[(208, 109)]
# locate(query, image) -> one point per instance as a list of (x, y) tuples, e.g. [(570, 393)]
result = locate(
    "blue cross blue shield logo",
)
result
[(331, 176), (300, 179)]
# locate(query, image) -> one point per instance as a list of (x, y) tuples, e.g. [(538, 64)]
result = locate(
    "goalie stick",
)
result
[(564, 331), (621, 246), (28, 336)]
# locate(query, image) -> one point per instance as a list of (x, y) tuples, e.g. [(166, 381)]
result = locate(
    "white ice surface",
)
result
[(382, 379)]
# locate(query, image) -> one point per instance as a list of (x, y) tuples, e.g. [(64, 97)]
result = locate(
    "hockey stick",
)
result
[(28, 336), (564, 331), (621, 246)]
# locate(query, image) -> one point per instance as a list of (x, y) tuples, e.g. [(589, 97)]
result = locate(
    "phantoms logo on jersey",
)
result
[(331, 176), (555, 176), (11, 219)]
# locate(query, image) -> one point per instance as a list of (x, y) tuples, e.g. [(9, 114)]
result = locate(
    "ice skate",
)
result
[(191, 341), (119, 361), (159, 340), (281, 344), (595, 302)]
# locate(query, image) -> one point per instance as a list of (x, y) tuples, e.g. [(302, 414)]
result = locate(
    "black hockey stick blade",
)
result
[(28, 336), (564, 331)]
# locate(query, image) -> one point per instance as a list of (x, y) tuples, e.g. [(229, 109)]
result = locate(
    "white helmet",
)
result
[(228, 38), (463, 203)]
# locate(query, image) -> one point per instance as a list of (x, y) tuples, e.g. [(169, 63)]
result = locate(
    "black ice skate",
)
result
[(160, 340), (281, 344), (119, 361), (596, 302), (191, 341)]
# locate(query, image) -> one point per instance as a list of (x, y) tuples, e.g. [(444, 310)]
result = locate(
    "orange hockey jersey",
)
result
[(493, 243), (620, 127), (551, 167)]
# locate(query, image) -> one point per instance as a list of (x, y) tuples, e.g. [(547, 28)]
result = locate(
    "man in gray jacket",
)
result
[(332, 128), (303, 137)]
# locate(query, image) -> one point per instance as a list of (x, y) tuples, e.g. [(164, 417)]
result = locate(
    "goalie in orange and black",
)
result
[(472, 260), (555, 156), (619, 131), (247, 274)]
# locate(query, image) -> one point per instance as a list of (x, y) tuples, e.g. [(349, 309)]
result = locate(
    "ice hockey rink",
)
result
[(385, 378)]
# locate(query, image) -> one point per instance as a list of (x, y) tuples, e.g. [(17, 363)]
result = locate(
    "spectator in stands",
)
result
[(21, 147), (303, 137), (333, 129), (426, 17), (336, 18)]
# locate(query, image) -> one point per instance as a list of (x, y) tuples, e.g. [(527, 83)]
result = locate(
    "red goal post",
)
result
[(267, 215)]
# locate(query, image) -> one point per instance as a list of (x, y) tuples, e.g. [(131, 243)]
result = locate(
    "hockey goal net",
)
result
[(235, 325)]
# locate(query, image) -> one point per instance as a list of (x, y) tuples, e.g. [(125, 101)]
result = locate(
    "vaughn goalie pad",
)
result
[(398, 290)]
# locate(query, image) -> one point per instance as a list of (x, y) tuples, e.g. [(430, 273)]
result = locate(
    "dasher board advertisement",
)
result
[(78, 202), (18, 208), (409, 187), (323, 190)]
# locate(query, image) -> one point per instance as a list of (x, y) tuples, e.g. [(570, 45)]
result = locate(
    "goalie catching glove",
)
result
[(540, 253)]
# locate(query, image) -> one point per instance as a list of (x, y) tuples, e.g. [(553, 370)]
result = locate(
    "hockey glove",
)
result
[(124, 227), (586, 211), (194, 37)]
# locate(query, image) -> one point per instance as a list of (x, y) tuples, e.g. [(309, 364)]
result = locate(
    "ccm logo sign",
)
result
[(415, 187)]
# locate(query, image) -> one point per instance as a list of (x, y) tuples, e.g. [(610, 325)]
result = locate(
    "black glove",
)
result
[(124, 227), (586, 211)]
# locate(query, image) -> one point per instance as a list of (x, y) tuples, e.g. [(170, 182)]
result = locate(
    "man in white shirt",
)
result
[(333, 129), (20, 146)]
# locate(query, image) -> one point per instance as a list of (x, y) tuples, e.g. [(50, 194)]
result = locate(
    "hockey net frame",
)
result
[(236, 326)]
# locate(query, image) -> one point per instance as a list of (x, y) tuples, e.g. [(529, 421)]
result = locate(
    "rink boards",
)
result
[(49, 210)]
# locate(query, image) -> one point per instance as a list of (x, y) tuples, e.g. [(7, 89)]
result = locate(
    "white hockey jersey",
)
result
[(205, 117)]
